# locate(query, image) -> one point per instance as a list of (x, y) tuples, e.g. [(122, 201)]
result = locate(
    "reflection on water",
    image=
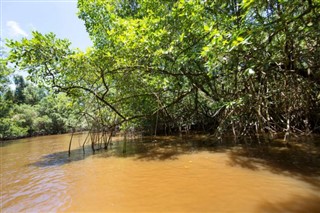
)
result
[(162, 174)]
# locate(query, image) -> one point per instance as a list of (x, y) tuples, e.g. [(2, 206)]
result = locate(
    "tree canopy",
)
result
[(244, 66)]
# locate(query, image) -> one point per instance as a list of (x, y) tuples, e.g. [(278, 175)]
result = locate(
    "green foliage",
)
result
[(23, 116), (40, 112), (9, 129), (244, 65), (42, 125), (19, 96), (33, 94), (55, 111)]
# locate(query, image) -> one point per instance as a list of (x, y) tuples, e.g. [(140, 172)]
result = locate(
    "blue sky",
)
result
[(20, 17)]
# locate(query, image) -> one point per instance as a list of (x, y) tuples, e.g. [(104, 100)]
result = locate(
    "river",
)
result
[(163, 174)]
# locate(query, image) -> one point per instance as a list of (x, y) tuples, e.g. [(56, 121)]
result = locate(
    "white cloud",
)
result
[(15, 29)]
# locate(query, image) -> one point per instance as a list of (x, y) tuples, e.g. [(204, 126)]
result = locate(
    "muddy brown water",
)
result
[(164, 174)]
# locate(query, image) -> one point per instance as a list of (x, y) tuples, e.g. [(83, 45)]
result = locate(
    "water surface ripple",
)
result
[(166, 174)]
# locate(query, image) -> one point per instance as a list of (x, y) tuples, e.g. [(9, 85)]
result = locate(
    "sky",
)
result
[(20, 17)]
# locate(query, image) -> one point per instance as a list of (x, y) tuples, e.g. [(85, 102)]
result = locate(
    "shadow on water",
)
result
[(146, 148), (163, 148), (300, 159), (61, 158)]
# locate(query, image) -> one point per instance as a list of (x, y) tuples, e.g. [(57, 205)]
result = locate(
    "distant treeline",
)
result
[(27, 110)]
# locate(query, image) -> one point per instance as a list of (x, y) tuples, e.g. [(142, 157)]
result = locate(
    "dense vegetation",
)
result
[(29, 110), (240, 66)]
